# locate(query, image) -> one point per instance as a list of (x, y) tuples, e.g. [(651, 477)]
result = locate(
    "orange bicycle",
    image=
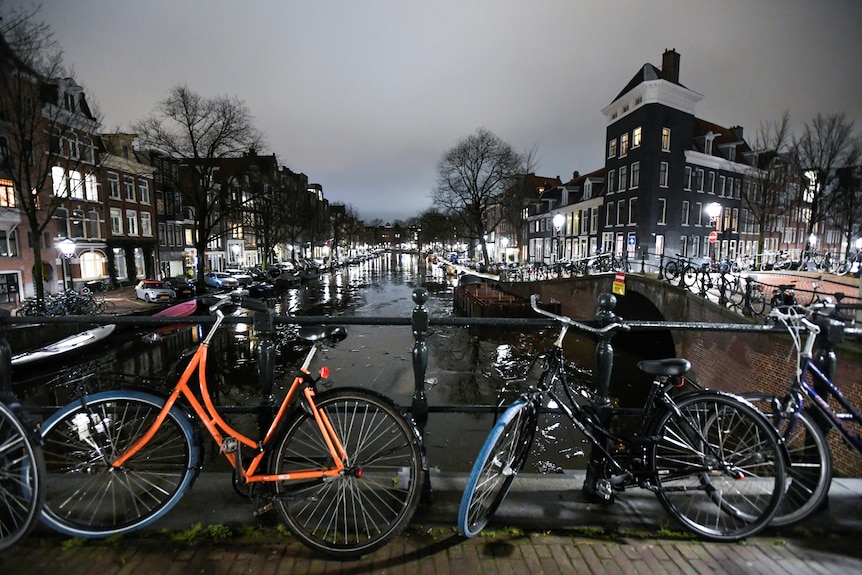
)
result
[(343, 467)]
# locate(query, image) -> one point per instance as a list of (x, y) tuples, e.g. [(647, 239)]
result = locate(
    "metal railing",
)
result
[(420, 322)]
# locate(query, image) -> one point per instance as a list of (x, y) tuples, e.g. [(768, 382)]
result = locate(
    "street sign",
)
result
[(619, 287), (713, 237), (633, 240)]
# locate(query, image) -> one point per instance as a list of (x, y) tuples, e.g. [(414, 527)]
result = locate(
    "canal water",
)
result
[(467, 366)]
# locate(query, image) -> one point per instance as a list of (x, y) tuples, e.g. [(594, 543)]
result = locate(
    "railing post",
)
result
[(643, 262), (5, 358), (746, 305), (661, 266), (419, 409), (596, 484), (264, 325)]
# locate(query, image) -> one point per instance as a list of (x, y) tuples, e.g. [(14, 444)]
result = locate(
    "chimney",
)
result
[(737, 133), (670, 65)]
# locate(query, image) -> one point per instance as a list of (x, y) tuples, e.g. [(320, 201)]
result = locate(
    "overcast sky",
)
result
[(365, 96)]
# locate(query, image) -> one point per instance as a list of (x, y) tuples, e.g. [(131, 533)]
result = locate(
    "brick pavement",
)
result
[(421, 552)]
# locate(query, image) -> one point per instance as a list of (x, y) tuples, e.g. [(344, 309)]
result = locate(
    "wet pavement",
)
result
[(544, 526)]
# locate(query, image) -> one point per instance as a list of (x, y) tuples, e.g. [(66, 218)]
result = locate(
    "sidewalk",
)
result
[(544, 526)]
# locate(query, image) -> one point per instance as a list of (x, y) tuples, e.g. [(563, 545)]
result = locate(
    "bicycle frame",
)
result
[(222, 432), (820, 401)]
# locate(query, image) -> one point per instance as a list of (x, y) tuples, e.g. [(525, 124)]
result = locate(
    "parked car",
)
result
[(184, 288), (220, 280), (154, 291), (262, 290), (242, 277)]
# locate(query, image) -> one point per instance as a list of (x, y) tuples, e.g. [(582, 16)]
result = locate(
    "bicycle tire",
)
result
[(757, 302), (501, 458), (671, 270), (689, 276), (82, 498), (718, 504), (809, 473), (736, 299), (22, 473), (374, 500)]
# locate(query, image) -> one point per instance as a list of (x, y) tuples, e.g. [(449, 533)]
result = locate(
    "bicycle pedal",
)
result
[(263, 509), (229, 445)]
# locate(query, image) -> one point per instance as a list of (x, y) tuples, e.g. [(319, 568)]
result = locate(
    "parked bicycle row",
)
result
[(345, 467), (68, 302)]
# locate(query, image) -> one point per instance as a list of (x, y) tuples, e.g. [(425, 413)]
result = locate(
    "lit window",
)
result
[(636, 137), (132, 222), (116, 222), (612, 148), (665, 139), (624, 145), (7, 194)]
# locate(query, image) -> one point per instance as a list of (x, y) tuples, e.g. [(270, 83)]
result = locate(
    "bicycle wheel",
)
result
[(736, 299), (757, 301), (671, 270), (689, 276), (85, 496), (370, 504), (809, 473), (719, 466), (22, 472), (502, 456)]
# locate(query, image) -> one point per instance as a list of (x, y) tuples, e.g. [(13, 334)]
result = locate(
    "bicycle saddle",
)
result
[(670, 366), (335, 333)]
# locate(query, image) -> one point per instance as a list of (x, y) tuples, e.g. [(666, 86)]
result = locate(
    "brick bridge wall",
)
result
[(730, 361)]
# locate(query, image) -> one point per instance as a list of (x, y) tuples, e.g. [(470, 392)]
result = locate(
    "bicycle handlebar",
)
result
[(534, 303)]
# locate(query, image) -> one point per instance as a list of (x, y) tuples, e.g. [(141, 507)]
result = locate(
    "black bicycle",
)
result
[(22, 467), (812, 406), (714, 462)]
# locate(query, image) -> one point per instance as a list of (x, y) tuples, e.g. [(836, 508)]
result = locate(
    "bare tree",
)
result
[(515, 197), (766, 195), (825, 145), (470, 178), (199, 131), (847, 215), (48, 151)]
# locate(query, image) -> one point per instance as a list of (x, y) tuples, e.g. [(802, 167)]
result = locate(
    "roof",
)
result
[(647, 73)]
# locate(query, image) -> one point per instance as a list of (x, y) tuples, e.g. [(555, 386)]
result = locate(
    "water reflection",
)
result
[(467, 365)]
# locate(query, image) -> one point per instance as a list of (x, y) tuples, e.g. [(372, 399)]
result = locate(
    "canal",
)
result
[(466, 366)]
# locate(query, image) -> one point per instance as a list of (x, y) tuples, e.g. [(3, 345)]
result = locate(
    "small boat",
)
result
[(182, 309), (71, 343)]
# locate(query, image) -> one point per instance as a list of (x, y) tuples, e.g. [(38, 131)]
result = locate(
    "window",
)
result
[(75, 184), (116, 222), (662, 174), (624, 145), (698, 180), (163, 234), (737, 189), (9, 243), (113, 185), (7, 194), (636, 174), (129, 184), (722, 182), (609, 216), (146, 225), (4, 151), (612, 181), (61, 218), (621, 212), (665, 139), (144, 191), (612, 148), (58, 178), (685, 212), (633, 211), (662, 211), (687, 183), (624, 178), (92, 188), (636, 137), (710, 183), (92, 265), (699, 209), (594, 219), (132, 222), (94, 230)]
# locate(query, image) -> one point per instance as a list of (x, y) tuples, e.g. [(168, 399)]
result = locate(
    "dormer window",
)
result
[(70, 102), (707, 144)]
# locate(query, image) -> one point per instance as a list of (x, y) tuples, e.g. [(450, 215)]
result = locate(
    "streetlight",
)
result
[(558, 221), (67, 247)]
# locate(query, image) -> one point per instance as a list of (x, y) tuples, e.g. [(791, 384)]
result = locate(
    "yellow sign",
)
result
[(620, 284)]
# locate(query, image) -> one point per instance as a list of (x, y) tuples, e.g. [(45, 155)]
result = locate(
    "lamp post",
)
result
[(558, 221), (713, 210), (67, 247)]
